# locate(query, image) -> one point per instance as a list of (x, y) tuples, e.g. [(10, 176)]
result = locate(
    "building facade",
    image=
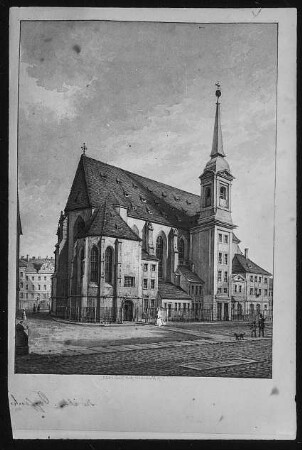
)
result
[(35, 276), (128, 244)]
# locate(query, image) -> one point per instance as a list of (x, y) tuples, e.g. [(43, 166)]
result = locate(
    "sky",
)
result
[(142, 97)]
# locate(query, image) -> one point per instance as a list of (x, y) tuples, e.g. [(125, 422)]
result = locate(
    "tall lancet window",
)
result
[(208, 195), (181, 252), (94, 265), (82, 262), (160, 255), (109, 265)]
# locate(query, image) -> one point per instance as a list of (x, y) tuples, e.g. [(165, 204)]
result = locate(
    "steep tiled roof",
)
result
[(235, 239), (171, 292), (38, 265), (243, 265), (105, 221), (144, 198), (147, 257), (189, 275)]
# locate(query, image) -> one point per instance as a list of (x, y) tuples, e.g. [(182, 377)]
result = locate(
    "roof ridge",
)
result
[(140, 176)]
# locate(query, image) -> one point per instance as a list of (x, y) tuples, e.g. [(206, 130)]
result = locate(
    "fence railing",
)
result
[(250, 317)]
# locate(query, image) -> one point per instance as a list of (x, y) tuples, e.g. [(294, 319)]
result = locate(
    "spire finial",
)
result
[(84, 148), (217, 146), (218, 90)]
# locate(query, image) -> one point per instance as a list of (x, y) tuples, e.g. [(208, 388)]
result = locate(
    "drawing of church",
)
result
[(128, 245)]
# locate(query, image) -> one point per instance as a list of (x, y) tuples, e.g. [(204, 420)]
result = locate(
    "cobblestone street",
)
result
[(186, 349)]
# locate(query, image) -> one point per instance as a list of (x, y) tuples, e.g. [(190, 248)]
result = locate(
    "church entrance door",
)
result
[(226, 311), (128, 311), (219, 310)]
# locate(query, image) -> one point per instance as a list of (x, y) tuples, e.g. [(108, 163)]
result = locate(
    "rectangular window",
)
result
[(185, 306), (145, 283), (265, 280), (129, 282), (26, 278), (255, 291), (219, 275), (240, 288), (21, 274), (260, 279), (39, 287), (152, 284), (33, 278), (235, 287), (44, 287), (175, 306), (251, 291), (256, 278), (225, 290), (145, 303), (226, 238), (153, 267), (39, 278), (32, 295), (225, 258), (251, 278), (225, 279), (145, 267), (26, 295), (259, 291), (45, 278), (21, 285), (27, 286), (220, 237), (199, 290), (33, 287), (220, 258), (21, 294), (219, 290), (152, 303), (265, 292)]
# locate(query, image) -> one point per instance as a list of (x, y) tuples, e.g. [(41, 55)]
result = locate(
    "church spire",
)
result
[(217, 146)]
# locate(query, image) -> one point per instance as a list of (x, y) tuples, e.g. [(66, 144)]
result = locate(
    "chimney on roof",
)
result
[(27, 257), (246, 253)]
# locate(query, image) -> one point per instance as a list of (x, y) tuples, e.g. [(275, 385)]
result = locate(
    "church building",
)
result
[(128, 245)]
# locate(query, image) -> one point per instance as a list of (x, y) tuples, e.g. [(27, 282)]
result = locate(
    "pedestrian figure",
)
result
[(23, 315), (254, 329), (159, 320), (34, 308), (38, 308), (261, 325)]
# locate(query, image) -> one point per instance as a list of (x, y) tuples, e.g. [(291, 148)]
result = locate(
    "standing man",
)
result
[(261, 325)]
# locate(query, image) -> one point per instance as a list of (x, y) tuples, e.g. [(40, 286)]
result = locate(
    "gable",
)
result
[(78, 197)]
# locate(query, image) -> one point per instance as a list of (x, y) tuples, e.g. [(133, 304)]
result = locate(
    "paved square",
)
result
[(186, 349)]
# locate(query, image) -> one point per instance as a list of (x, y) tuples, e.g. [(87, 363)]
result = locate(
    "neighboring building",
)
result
[(35, 282), (251, 287), (127, 244)]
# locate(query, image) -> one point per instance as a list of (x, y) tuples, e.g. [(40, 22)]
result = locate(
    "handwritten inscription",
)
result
[(40, 401)]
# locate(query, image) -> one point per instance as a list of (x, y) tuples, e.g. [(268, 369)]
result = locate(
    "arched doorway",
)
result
[(128, 311)]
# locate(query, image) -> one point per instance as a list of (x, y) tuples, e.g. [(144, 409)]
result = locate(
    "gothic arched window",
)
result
[(181, 251), (94, 264), (78, 227), (160, 255), (108, 265)]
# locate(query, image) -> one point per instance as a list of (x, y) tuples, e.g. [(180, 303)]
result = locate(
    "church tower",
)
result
[(212, 238)]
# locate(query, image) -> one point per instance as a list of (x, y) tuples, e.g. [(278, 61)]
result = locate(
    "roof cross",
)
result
[(84, 148)]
